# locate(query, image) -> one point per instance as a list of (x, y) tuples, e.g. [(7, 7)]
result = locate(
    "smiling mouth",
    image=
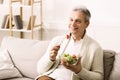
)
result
[(74, 28)]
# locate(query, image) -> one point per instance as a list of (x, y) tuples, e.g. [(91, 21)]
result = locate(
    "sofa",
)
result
[(21, 56)]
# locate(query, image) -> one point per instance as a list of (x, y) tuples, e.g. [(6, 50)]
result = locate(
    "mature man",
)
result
[(90, 55)]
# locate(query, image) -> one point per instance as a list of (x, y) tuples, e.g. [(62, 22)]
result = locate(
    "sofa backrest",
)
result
[(115, 74), (109, 57), (25, 53)]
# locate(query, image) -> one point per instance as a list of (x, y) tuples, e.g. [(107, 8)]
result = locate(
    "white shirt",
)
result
[(91, 61), (72, 48)]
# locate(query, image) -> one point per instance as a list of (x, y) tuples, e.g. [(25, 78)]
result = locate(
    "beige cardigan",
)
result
[(92, 60)]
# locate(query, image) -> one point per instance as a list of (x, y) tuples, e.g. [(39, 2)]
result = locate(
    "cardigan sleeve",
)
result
[(44, 64), (96, 72)]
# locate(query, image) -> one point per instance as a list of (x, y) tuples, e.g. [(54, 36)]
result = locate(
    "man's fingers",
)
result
[(79, 61), (54, 52), (56, 48)]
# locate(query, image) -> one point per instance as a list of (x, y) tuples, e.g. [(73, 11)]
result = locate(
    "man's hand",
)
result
[(75, 68), (54, 52)]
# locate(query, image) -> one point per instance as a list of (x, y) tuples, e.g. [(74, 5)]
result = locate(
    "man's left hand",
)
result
[(75, 68)]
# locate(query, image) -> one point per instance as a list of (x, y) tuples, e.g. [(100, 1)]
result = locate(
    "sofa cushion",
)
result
[(7, 69), (109, 57), (24, 78), (25, 53), (115, 74)]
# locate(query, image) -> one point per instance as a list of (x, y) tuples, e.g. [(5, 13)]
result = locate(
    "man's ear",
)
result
[(87, 24)]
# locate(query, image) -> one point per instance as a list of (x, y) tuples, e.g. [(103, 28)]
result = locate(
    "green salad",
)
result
[(71, 59)]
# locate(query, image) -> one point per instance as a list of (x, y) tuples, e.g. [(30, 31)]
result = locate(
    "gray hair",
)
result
[(85, 11)]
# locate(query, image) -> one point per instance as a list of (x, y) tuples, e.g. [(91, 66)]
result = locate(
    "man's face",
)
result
[(77, 23)]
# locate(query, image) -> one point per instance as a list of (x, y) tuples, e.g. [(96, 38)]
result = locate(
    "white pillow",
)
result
[(7, 69)]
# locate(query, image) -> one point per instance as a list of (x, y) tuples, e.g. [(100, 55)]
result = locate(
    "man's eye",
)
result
[(78, 21)]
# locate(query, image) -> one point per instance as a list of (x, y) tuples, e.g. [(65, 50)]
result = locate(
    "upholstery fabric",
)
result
[(7, 68), (115, 74), (109, 57), (24, 78), (25, 53)]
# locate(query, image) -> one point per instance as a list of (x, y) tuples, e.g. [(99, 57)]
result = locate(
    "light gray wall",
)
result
[(104, 26)]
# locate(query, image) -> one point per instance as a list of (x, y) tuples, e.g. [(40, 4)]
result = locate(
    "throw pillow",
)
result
[(7, 69), (115, 74), (109, 57)]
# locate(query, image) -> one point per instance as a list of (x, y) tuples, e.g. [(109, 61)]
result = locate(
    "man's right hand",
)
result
[(54, 52)]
